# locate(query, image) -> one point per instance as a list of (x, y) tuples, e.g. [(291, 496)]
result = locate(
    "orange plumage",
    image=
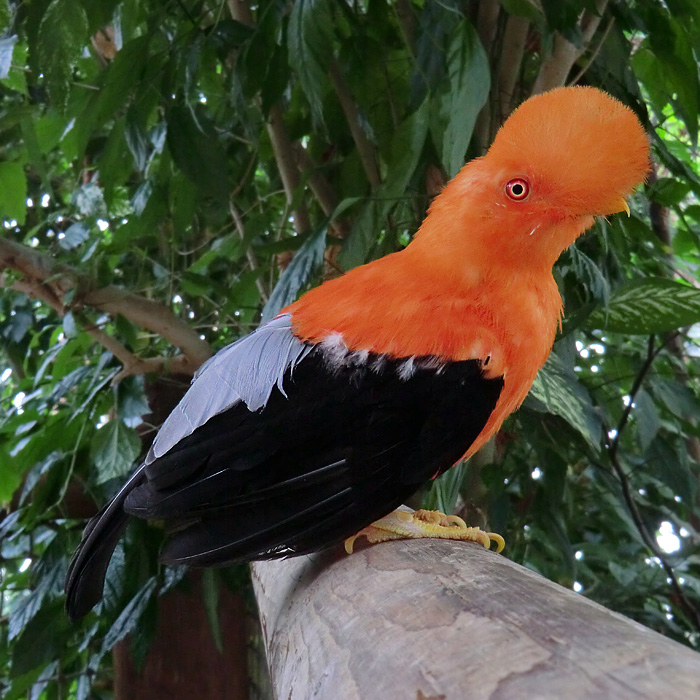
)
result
[(332, 414), (476, 282)]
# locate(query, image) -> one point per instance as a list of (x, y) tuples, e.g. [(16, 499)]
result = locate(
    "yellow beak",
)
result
[(622, 206)]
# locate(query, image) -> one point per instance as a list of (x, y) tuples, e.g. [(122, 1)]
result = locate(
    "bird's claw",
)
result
[(401, 524)]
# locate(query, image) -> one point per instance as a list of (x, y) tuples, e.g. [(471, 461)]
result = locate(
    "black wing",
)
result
[(346, 445), (341, 439)]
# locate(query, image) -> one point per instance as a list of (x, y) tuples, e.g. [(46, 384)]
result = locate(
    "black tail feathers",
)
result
[(87, 570)]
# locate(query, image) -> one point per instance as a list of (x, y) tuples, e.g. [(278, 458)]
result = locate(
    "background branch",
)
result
[(352, 114), (556, 68), (688, 607), (514, 39), (50, 281)]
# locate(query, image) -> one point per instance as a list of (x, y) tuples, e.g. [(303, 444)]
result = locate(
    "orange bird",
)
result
[(331, 415)]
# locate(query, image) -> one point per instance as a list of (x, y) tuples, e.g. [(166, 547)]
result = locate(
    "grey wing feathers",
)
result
[(246, 370)]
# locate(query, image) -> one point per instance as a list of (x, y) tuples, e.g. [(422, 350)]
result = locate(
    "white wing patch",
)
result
[(247, 370), (337, 354)]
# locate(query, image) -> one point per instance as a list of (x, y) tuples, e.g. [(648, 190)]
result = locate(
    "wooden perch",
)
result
[(443, 620)]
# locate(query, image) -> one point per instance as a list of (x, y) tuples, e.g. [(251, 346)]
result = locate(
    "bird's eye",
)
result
[(518, 189)]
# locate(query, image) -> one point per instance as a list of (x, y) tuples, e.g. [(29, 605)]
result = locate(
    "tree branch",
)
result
[(685, 603), (281, 144), (442, 619), (594, 53), (486, 27), (555, 69), (324, 193), (514, 39), (49, 281), (250, 253), (286, 165), (407, 23), (352, 114)]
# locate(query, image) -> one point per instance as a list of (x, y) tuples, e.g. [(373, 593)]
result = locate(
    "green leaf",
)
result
[(310, 45), (62, 38), (624, 575), (40, 641), (647, 418), (344, 206), (668, 191), (7, 45), (129, 617), (523, 8), (460, 104), (563, 15), (403, 157), (121, 76), (197, 150), (671, 467), (13, 192), (210, 598), (559, 392), (114, 449), (653, 305), (136, 140), (5, 15), (306, 261), (70, 328), (49, 581), (16, 78)]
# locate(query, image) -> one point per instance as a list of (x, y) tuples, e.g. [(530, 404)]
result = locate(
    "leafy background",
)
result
[(172, 172)]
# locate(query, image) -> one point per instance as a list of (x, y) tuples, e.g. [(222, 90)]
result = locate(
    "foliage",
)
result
[(186, 151)]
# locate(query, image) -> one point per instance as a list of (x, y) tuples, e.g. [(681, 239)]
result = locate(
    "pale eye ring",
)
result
[(518, 189)]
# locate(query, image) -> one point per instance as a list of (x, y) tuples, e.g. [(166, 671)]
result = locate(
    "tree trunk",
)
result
[(443, 620), (183, 661)]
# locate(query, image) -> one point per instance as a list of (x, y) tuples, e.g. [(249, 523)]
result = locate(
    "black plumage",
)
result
[(340, 442)]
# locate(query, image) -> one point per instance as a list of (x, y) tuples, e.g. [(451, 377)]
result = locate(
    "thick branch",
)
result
[(431, 618), (487, 23), (152, 316), (514, 39), (250, 253), (286, 165), (556, 68), (486, 26), (50, 281), (352, 115), (324, 193), (281, 144)]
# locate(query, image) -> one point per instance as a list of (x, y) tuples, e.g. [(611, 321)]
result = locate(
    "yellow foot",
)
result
[(403, 524)]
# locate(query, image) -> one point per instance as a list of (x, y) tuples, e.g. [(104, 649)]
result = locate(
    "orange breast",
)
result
[(395, 308)]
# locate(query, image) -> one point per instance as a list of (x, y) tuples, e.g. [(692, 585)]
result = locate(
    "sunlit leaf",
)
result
[(653, 305), (62, 37), (7, 46), (74, 235)]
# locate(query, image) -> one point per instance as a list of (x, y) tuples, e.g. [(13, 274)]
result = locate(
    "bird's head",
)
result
[(562, 158)]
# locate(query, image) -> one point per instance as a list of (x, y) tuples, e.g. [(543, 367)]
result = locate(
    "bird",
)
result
[(323, 421)]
